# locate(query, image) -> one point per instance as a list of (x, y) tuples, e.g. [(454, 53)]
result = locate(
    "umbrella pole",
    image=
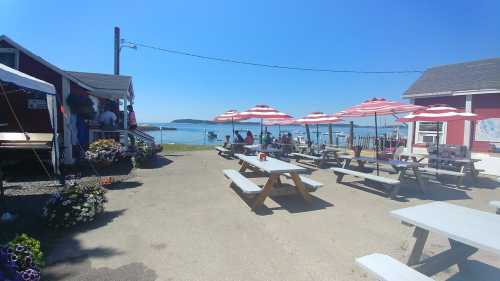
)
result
[(376, 142), (261, 124), (437, 146), (317, 135), (232, 122)]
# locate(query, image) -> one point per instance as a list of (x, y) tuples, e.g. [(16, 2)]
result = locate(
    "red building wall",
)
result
[(487, 106), (36, 120), (455, 129)]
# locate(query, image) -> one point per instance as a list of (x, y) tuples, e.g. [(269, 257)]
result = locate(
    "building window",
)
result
[(9, 57), (426, 132)]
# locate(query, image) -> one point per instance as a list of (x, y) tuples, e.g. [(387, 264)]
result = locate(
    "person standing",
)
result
[(132, 122)]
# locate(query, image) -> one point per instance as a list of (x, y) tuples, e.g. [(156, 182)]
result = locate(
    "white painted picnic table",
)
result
[(260, 148), (467, 230), (275, 168), (399, 166), (271, 165)]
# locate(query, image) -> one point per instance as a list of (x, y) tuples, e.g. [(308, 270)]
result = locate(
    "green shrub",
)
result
[(76, 204)]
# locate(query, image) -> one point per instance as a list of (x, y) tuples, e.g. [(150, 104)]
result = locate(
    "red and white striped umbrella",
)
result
[(379, 107), (438, 113), (375, 107), (280, 122), (230, 115), (318, 118), (264, 112)]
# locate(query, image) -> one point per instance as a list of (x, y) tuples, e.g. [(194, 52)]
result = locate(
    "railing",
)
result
[(120, 135)]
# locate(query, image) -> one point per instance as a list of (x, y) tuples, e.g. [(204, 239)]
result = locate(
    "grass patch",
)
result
[(186, 147)]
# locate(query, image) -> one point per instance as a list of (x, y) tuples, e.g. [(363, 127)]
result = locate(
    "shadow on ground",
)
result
[(157, 162), (292, 202), (123, 185), (477, 271)]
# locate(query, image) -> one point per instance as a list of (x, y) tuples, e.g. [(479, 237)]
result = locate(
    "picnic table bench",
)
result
[(223, 151), (246, 185), (386, 268), (388, 182), (468, 230), (496, 204), (438, 172), (320, 161)]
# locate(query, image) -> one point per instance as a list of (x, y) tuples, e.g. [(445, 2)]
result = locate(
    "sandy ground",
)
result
[(182, 221)]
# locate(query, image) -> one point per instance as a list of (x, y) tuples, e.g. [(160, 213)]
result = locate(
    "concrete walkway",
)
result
[(182, 221)]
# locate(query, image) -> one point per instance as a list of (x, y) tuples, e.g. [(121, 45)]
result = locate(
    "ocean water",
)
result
[(197, 133)]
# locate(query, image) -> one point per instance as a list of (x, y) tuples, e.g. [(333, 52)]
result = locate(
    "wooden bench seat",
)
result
[(310, 184), (433, 171), (386, 268), (389, 182), (318, 160), (223, 151), (243, 183), (496, 204)]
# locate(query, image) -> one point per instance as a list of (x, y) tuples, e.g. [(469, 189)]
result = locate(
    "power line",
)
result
[(237, 61)]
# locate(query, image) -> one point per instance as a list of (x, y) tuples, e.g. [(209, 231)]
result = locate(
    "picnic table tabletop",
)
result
[(271, 165), (472, 227), (382, 161), (454, 159)]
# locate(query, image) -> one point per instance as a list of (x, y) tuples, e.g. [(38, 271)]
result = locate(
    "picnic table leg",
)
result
[(460, 179), (347, 162), (300, 187), (420, 181), (457, 254), (244, 167), (421, 235), (268, 187)]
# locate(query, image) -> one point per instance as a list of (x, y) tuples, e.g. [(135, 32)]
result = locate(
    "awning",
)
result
[(31, 84), (9, 75)]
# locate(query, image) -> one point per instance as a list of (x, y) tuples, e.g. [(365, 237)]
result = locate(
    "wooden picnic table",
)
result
[(468, 230), (401, 167), (261, 148), (274, 168)]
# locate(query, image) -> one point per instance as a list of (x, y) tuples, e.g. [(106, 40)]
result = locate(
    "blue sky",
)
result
[(360, 35)]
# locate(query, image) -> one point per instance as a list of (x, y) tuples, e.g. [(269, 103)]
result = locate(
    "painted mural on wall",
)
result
[(488, 130)]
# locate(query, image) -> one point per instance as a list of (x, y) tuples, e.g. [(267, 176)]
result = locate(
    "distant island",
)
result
[(198, 121)]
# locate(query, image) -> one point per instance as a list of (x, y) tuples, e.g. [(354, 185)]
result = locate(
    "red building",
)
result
[(96, 87), (472, 87)]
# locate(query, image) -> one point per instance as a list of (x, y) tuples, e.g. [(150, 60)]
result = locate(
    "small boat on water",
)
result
[(211, 135)]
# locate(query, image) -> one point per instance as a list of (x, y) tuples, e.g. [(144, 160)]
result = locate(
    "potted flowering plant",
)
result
[(21, 259), (77, 204), (104, 152)]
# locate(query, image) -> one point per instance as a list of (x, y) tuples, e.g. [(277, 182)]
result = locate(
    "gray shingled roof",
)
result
[(106, 85), (447, 79)]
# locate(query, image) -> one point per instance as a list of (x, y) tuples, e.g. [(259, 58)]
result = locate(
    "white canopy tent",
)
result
[(32, 84)]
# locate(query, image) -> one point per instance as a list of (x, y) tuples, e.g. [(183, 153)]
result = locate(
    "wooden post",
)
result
[(330, 134), (308, 134), (117, 50), (351, 134)]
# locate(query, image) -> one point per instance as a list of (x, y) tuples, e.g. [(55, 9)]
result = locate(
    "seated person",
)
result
[(266, 139), (249, 138), (239, 138), (227, 141), (108, 119)]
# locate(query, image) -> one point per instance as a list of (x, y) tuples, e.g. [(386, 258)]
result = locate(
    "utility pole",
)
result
[(117, 50)]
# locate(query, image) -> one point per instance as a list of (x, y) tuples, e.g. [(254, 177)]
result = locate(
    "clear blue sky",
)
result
[(360, 35)]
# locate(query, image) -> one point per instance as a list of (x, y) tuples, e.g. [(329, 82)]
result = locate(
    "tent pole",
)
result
[(376, 142)]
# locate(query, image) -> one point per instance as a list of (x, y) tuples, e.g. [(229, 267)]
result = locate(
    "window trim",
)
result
[(16, 55), (443, 134)]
